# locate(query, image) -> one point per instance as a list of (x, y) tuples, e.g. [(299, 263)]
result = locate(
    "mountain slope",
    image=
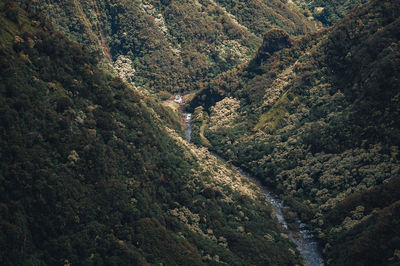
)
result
[(328, 12), (93, 172), (318, 118), (171, 46), (260, 16)]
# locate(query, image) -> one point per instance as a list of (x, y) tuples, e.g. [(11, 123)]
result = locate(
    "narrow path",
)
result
[(203, 138)]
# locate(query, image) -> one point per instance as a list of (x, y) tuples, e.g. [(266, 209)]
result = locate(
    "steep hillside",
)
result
[(95, 173), (260, 16), (318, 119), (327, 12), (170, 45)]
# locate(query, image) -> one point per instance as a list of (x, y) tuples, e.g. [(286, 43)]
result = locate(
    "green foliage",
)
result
[(90, 176), (332, 13), (318, 122), (174, 46), (259, 16), (274, 116), (373, 237), (156, 240), (329, 12)]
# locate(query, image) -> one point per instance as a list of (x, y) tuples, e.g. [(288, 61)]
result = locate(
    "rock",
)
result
[(274, 40)]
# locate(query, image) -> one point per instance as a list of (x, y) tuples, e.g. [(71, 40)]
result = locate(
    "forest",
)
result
[(92, 175), (317, 118), (175, 46), (95, 169)]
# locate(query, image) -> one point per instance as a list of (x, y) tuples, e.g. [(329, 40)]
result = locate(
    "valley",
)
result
[(202, 132), (302, 236)]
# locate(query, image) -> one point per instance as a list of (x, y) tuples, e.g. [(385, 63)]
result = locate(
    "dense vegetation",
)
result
[(172, 46), (259, 16), (318, 119), (94, 169), (327, 12), (93, 173)]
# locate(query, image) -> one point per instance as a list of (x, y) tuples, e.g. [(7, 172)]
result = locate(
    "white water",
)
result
[(306, 243), (188, 125)]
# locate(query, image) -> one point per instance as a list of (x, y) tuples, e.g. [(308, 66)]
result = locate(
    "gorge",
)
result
[(290, 132), (303, 237)]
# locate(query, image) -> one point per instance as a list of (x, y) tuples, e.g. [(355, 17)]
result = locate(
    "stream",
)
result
[(306, 242)]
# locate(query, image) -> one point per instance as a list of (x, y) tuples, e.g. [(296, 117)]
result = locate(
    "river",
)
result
[(187, 125), (306, 242)]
